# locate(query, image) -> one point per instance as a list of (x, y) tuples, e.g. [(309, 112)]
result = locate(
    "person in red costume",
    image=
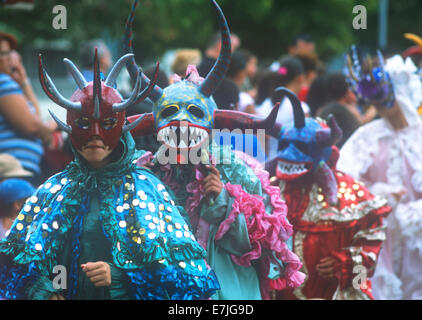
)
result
[(337, 223)]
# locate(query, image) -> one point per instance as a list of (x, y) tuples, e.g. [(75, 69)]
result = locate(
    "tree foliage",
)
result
[(265, 26)]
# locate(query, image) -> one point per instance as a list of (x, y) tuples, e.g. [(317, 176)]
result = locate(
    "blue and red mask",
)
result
[(306, 148), (184, 113)]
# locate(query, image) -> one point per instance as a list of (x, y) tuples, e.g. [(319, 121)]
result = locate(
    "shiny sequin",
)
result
[(152, 235), (186, 227), (119, 209), (47, 185), (142, 205), (27, 208), (170, 228), (34, 199), (361, 193), (160, 187), (151, 225), (155, 220), (169, 209), (37, 209), (320, 198), (38, 247), (19, 226), (199, 267), (355, 187), (148, 217), (177, 225), (151, 207), (20, 217), (142, 231), (135, 202), (186, 234), (167, 218), (179, 234), (55, 225), (60, 198), (63, 181), (45, 226), (122, 224), (142, 177), (182, 264)]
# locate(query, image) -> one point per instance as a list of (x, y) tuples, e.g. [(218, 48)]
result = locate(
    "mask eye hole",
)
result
[(197, 112), (169, 111), (303, 147), (83, 123), (108, 123), (283, 144)]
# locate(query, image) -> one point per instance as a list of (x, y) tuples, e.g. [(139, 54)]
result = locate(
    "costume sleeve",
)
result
[(41, 289), (366, 245), (119, 284), (236, 238)]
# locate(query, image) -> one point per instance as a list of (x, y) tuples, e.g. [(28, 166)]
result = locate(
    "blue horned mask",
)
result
[(305, 148), (184, 113)]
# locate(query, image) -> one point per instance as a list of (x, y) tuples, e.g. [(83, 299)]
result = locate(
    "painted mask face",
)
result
[(106, 124), (185, 119), (299, 152), (96, 109)]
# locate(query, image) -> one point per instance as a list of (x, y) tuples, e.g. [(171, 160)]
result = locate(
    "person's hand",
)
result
[(18, 72), (56, 296), (98, 273), (325, 267), (212, 183)]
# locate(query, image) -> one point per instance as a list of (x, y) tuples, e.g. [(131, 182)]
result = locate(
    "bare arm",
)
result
[(18, 74), (15, 110)]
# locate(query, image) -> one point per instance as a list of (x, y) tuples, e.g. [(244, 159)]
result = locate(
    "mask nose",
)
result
[(96, 129)]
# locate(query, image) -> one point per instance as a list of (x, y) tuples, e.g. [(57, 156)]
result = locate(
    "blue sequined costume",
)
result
[(141, 234)]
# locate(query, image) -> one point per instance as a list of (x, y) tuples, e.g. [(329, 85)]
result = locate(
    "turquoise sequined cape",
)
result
[(151, 246)]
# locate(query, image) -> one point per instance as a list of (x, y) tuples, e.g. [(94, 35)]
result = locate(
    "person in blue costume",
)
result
[(103, 228), (237, 217)]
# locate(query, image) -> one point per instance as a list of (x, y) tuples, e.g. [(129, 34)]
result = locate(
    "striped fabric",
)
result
[(28, 151)]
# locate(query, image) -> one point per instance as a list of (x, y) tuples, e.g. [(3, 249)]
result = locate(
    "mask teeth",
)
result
[(292, 168), (182, 136)]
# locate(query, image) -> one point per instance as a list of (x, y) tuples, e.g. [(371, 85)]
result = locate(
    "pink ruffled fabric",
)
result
[(192, 75), (265, 231)]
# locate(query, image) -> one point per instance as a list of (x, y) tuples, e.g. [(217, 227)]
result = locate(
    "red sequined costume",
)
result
[(350, 231)]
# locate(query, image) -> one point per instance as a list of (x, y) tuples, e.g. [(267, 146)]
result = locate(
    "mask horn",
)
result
[(52, 92), (115, 71), (96, 87), (217, 73), (229, 119), (133, 69), (144, 126), (76, 74), (63, 126), (329, 136), (299, 115)]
